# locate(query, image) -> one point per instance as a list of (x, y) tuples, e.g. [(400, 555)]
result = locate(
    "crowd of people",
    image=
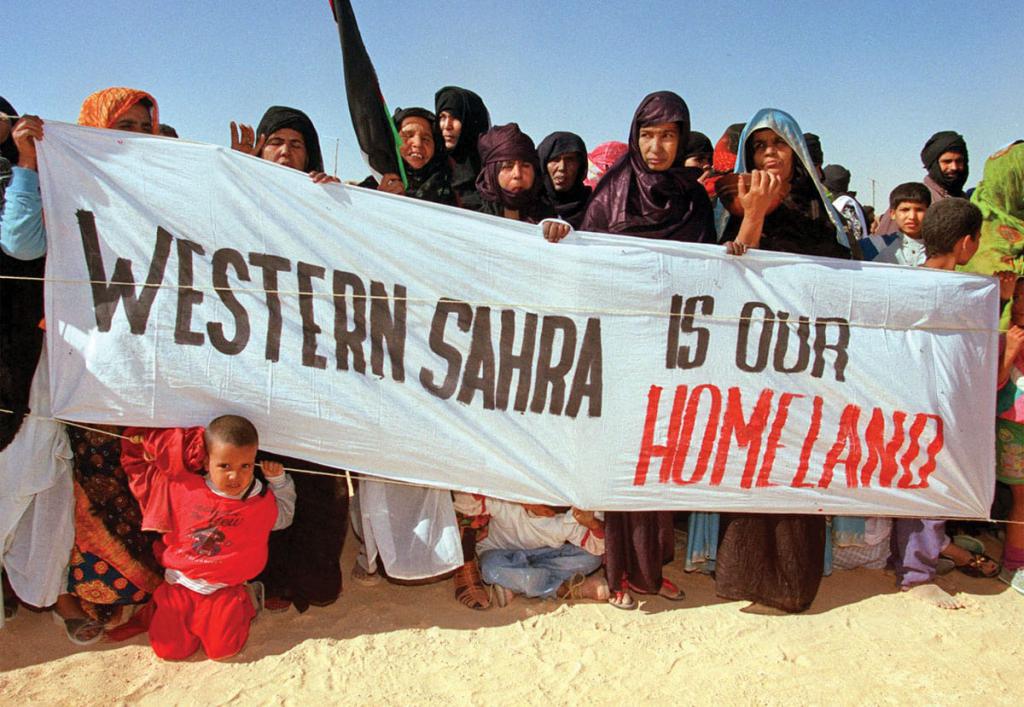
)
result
[(93, 521)]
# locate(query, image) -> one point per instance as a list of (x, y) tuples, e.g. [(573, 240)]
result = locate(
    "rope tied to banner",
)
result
[(347, 475)]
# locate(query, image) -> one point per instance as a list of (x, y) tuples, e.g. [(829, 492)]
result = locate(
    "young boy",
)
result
[(199, 489), (536, 551), (951, 231), (907, 206)]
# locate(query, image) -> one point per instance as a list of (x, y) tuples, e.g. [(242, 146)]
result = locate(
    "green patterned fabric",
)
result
[(1000, 196)]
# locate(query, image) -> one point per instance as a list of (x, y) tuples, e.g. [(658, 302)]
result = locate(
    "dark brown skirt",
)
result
[(775, 560), (304, 559), (637, 546)]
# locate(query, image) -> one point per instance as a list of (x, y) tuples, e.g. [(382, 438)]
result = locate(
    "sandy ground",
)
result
[(861, 643)]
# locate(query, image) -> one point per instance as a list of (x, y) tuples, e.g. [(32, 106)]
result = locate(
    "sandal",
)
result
[(277, 605), (667, 590), (670, 591), (81, 632), (975, 566), (619, 600), (969, 543), (469, 587), (363, 576)]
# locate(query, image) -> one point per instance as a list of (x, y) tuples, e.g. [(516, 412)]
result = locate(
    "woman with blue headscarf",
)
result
[(776, 560), (778, 203)]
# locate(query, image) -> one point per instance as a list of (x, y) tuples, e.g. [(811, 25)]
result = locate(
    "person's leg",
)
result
[(170, 633), (566, 562), (1013, 551), (11, 510), (222, 621), (918, 544), (539, 572), (38, 551), (469, 588), (511, 569)]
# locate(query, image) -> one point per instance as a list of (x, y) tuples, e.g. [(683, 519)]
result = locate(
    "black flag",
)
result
[(371, 119)]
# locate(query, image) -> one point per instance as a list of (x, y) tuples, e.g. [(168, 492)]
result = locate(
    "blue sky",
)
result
[(874, 79)]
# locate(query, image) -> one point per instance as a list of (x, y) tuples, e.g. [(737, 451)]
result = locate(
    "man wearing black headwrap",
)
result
[(563, 159), (304, 560), (836, 179), (945, 157), (463, 118)]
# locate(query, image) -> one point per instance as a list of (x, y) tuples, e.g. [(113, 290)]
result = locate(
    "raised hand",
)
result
[(26, 132), (243, 139)]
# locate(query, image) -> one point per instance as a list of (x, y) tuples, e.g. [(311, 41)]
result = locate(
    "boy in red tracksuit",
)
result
[(215, 529)]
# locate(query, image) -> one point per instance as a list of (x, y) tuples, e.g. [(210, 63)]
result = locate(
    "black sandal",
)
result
[(975, 566)]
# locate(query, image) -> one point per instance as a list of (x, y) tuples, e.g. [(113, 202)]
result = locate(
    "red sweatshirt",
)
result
[(207, 537)]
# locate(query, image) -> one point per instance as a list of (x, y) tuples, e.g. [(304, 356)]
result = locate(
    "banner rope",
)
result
[(484, 303), (348, 477)]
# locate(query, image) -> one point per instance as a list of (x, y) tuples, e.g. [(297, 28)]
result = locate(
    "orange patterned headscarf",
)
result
[(104, 108)]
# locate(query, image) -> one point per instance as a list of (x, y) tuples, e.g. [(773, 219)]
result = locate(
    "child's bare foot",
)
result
[(502, 595), (594, 587), (934, 595)]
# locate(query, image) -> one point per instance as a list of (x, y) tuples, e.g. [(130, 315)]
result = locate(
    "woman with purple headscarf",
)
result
[(648, 192), (509, 182)]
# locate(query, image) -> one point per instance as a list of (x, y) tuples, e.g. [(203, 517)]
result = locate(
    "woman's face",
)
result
[(563, 170), (659, 144), (451, 129), (135, 120), (772, 153), (515, 176), (286, 147), (417, 141)]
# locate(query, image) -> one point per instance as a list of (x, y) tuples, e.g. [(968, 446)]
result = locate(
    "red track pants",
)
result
[(184, 620)]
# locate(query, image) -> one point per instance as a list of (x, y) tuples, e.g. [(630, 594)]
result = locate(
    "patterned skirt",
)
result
[(112, 563)]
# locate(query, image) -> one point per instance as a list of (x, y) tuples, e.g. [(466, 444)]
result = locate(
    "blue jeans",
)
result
[(536, 573)]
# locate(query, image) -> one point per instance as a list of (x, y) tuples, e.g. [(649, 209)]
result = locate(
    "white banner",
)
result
[(432, 345)]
